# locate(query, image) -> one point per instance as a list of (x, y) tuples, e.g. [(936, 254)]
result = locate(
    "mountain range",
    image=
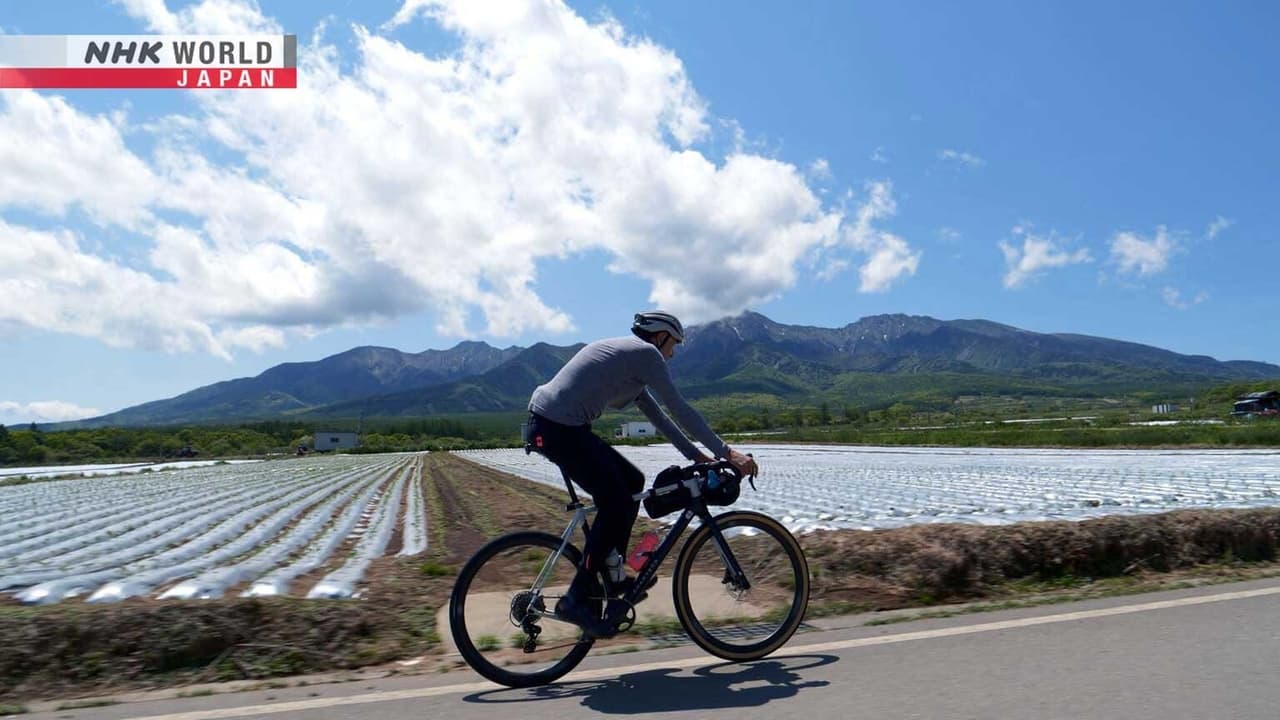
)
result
[(876, 360)]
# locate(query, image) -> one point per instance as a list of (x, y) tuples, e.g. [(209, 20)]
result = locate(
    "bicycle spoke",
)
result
[(503, 625), (743, 622)]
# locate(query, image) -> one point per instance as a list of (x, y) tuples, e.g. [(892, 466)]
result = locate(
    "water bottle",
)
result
[(644, 548), (713, 480), (614, 564)]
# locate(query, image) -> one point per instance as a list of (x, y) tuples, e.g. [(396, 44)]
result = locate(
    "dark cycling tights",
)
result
[(600, 470)]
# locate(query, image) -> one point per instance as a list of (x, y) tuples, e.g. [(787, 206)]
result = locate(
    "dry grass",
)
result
[(933, 563)]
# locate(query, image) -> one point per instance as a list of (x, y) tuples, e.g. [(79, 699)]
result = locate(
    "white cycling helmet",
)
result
[(656, 321)]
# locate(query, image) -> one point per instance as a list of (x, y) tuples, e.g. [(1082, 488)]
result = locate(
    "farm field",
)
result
[(827, 487), (55, 471), (177, 612), (170, 634), (210, 530), (311, 527)]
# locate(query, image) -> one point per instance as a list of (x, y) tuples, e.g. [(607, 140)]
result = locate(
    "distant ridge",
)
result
[(873, 360), (291, 388)]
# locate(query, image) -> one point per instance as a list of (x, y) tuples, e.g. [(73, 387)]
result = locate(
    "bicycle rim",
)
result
[(504, 628), (742, 623)]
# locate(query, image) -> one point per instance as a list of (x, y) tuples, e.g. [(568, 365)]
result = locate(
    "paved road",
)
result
[(1208, 654)]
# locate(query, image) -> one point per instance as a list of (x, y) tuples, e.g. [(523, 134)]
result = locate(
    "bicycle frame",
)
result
[(697, 508)]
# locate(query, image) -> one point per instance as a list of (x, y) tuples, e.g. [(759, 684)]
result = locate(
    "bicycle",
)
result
[(740, 585)]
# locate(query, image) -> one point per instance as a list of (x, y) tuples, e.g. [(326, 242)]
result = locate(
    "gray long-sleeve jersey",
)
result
[(613, 373)]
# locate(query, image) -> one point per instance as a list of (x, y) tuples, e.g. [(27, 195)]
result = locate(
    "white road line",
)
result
[(393, 695)]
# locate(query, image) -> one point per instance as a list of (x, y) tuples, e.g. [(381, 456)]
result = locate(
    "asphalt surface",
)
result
[(1207, 653)]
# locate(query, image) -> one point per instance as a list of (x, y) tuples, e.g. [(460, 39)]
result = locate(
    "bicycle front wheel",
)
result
[(731, 621), (501, 612)]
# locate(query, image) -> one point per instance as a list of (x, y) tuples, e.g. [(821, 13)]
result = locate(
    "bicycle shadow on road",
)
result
[(725, 685)]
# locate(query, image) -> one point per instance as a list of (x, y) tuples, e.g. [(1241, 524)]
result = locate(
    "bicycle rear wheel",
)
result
[(732, 622), (505, 627)]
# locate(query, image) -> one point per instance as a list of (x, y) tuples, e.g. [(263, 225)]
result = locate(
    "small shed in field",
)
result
[(636, 430), (327, 440)]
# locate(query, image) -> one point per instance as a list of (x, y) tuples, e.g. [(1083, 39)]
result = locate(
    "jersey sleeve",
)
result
[(650, 408), (657, 377)]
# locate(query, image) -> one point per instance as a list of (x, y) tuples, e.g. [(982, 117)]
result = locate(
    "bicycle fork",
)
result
[(733, 572)]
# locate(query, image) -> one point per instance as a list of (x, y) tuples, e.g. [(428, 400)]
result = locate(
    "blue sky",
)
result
[(519, 171)]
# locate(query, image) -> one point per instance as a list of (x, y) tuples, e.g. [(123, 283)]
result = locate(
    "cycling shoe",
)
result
[(629, 582), (571, 608)]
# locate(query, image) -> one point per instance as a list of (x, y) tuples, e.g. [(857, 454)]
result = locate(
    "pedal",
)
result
[(628, 615)]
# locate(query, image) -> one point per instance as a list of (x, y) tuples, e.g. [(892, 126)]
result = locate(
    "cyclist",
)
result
[(614, 373)]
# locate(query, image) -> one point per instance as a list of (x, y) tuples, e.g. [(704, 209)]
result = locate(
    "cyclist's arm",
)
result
[(659, 380), (650, 408)]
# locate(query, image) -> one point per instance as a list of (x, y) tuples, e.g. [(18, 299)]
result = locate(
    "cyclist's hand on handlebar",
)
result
[(744, 464)]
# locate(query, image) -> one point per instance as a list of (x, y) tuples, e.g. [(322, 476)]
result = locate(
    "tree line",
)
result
[(947, 421), (34, 446)]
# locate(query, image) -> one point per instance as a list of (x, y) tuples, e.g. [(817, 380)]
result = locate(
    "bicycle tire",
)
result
[(770, 549), (514, 545)]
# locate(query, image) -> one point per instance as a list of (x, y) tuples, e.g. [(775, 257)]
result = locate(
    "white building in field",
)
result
[(325, 440), (636, 430)]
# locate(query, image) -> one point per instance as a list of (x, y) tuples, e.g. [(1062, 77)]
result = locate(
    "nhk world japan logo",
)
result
[(184, 62)]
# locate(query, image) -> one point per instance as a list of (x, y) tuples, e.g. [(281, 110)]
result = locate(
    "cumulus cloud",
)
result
[(884, 257), (1143, 256), (394, 182), (42, 411), (963, 158), (55, 158), (1036, 254), (1217, 226)]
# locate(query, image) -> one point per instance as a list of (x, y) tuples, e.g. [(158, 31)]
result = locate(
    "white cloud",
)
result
[(1217, 226), (949, 235), (1173, 298), (393, 182), (47, 281), (878, 156), (891, 259), (1135, 254), (964, 158), (55, 158), (42, 411), (1036, 255), (213, 17), (833, 268), (888, 256), (820, 169)]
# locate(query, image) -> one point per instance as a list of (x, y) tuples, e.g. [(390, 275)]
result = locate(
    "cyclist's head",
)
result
[(650, 326)]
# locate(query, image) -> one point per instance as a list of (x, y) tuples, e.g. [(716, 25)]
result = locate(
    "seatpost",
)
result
[(573, 494)]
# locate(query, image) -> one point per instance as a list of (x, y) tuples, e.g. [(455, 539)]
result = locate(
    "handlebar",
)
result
[(722, 466)]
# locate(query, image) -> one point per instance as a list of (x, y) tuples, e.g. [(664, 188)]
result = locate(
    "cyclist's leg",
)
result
[(619, 482), (609, 478)]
